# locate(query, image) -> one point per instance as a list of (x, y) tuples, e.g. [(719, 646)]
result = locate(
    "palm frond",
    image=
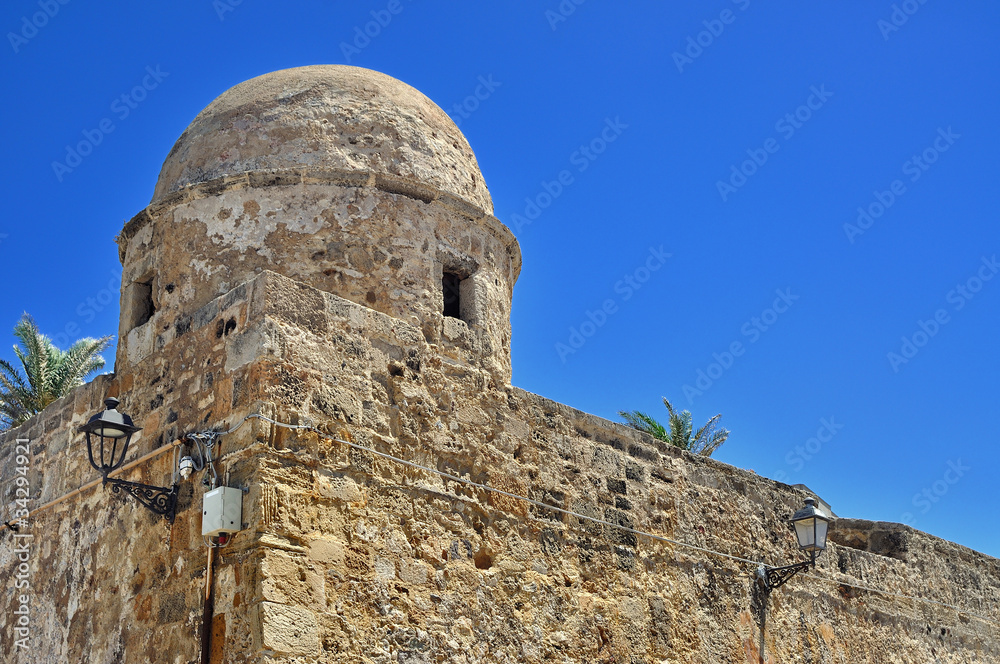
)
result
[(645, 423), (15, 397), (708, 427), (670, 408), (679, 430), (47, 373), (708, 439), (75, 364)]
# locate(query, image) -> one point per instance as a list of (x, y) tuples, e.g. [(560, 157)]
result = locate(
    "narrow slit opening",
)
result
[(451, 287), (142, 307)]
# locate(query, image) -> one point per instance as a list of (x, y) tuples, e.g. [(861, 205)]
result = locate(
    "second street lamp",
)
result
[(109, 434), (811, 525)]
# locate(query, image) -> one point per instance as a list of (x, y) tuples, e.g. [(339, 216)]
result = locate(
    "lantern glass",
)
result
[(111, 427), (821, 527), (811, 527), (108, 431), (805, 531)]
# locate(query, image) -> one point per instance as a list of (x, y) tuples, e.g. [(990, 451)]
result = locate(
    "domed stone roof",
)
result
[(326, 117)]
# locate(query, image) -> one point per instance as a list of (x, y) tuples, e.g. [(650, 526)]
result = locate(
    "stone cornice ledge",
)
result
[(392, 184)]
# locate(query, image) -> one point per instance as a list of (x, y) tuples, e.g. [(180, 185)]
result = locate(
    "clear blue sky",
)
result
[(825, 107)]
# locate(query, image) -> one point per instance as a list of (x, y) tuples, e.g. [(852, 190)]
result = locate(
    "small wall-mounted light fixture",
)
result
[(186, 467), (811, 526), (109, 434)]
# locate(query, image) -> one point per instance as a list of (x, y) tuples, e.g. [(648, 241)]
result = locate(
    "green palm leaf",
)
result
[(644, 423), (47, 373), (679, 430)]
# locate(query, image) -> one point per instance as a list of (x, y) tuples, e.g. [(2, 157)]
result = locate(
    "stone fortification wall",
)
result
[(350, 556), (108, 581), (396, 564)]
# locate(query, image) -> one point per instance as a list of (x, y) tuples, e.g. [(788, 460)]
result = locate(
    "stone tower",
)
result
[(320, 252), (338, 177)]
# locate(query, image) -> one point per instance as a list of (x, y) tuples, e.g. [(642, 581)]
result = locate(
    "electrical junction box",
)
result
[(222, 512)]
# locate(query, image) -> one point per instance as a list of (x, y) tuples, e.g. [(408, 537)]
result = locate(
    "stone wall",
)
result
[(350, 556), (110, 581)]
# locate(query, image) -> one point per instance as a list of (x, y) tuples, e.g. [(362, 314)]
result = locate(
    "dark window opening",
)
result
[(451, 285), (142, 303)]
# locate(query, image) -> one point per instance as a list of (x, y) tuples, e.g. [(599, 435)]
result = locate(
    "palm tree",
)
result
[(679, 432), (48, 372)]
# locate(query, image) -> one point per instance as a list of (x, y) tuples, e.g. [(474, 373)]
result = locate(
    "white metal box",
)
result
[(222, 512)]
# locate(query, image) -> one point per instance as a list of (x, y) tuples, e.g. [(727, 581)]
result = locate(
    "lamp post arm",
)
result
[(775, 577), (157, 499), (769, 578)]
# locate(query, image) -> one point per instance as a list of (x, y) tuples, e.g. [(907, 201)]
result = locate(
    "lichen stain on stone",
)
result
[(251, 208)]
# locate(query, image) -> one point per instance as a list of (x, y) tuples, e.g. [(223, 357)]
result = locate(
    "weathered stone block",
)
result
[(328, 552), (285, 630)]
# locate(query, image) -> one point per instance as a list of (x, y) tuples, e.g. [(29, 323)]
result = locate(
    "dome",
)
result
[(325, 117)]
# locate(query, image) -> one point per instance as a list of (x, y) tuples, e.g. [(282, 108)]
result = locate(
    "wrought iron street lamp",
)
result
[(811, 526), (108, 435)]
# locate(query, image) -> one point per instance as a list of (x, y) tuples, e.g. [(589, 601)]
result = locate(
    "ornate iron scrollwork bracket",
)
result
[(775, 577), (767, 579), (157, 499)]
